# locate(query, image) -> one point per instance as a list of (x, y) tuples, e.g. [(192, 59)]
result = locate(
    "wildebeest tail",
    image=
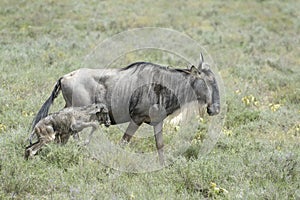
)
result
[(43, 112)]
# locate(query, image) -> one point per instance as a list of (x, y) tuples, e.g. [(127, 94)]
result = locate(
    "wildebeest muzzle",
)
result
[(213, 109)]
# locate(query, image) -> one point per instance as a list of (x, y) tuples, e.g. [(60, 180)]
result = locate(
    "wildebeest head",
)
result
[(206, 87)]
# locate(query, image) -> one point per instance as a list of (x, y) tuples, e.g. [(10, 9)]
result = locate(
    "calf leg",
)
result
[(44, 136), (79, 126), (34, 148), (62, 137), (75, 136), (159, 142)]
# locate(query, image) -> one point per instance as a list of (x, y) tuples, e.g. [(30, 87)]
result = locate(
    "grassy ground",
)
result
[(256, 47)]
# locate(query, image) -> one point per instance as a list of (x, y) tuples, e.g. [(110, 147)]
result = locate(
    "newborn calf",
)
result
[(61, 125)]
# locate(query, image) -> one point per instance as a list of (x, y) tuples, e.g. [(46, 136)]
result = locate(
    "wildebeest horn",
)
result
[(201, 61)]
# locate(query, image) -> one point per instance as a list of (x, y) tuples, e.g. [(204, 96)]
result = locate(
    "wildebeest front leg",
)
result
[(79, 126), (130, 131), (159, 142)]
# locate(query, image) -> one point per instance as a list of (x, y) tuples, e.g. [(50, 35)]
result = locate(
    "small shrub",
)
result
[(63, 156), (241, 118), (192, 152)]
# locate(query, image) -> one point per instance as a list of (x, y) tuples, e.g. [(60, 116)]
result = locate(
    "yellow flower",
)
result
[(132, 196), (176, 128), (238, 91), (245, 100), (278, 148), (256, 103), (213, 185), (24, 113), (223, 190), (217, 190), (201, 119), (250, 100), (274, 107), (227, 132), (2, 127)]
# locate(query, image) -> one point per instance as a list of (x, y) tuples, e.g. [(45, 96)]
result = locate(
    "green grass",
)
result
[(255, 45)]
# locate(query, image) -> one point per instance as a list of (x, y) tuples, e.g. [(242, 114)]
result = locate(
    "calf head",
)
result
[(100, 110), (102, 114), (206, 87)]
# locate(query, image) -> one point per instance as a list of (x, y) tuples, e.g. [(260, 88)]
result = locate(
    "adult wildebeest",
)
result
[(139, 93), (60, 125)]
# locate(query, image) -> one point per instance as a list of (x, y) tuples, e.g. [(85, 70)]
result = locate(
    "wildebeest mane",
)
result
[(137, 65)]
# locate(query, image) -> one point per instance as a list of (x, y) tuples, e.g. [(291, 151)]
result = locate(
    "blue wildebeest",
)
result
[(139, 93), (61, 125)]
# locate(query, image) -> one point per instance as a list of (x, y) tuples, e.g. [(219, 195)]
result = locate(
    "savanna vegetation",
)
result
[(255, 45)]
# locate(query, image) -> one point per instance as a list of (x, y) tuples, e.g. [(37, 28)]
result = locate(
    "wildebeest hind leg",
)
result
[(159, 141)]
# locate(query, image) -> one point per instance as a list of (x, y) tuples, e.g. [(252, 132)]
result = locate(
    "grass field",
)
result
[(255, 45)]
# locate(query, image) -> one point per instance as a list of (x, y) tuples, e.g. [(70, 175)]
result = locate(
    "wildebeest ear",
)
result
[(201, 61), (93, 112), (194, 70)]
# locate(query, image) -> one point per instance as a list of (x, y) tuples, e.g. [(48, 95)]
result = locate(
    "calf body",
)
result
[(61, 125)]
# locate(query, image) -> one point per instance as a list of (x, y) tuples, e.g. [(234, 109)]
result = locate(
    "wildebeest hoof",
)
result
[(123, 143)]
